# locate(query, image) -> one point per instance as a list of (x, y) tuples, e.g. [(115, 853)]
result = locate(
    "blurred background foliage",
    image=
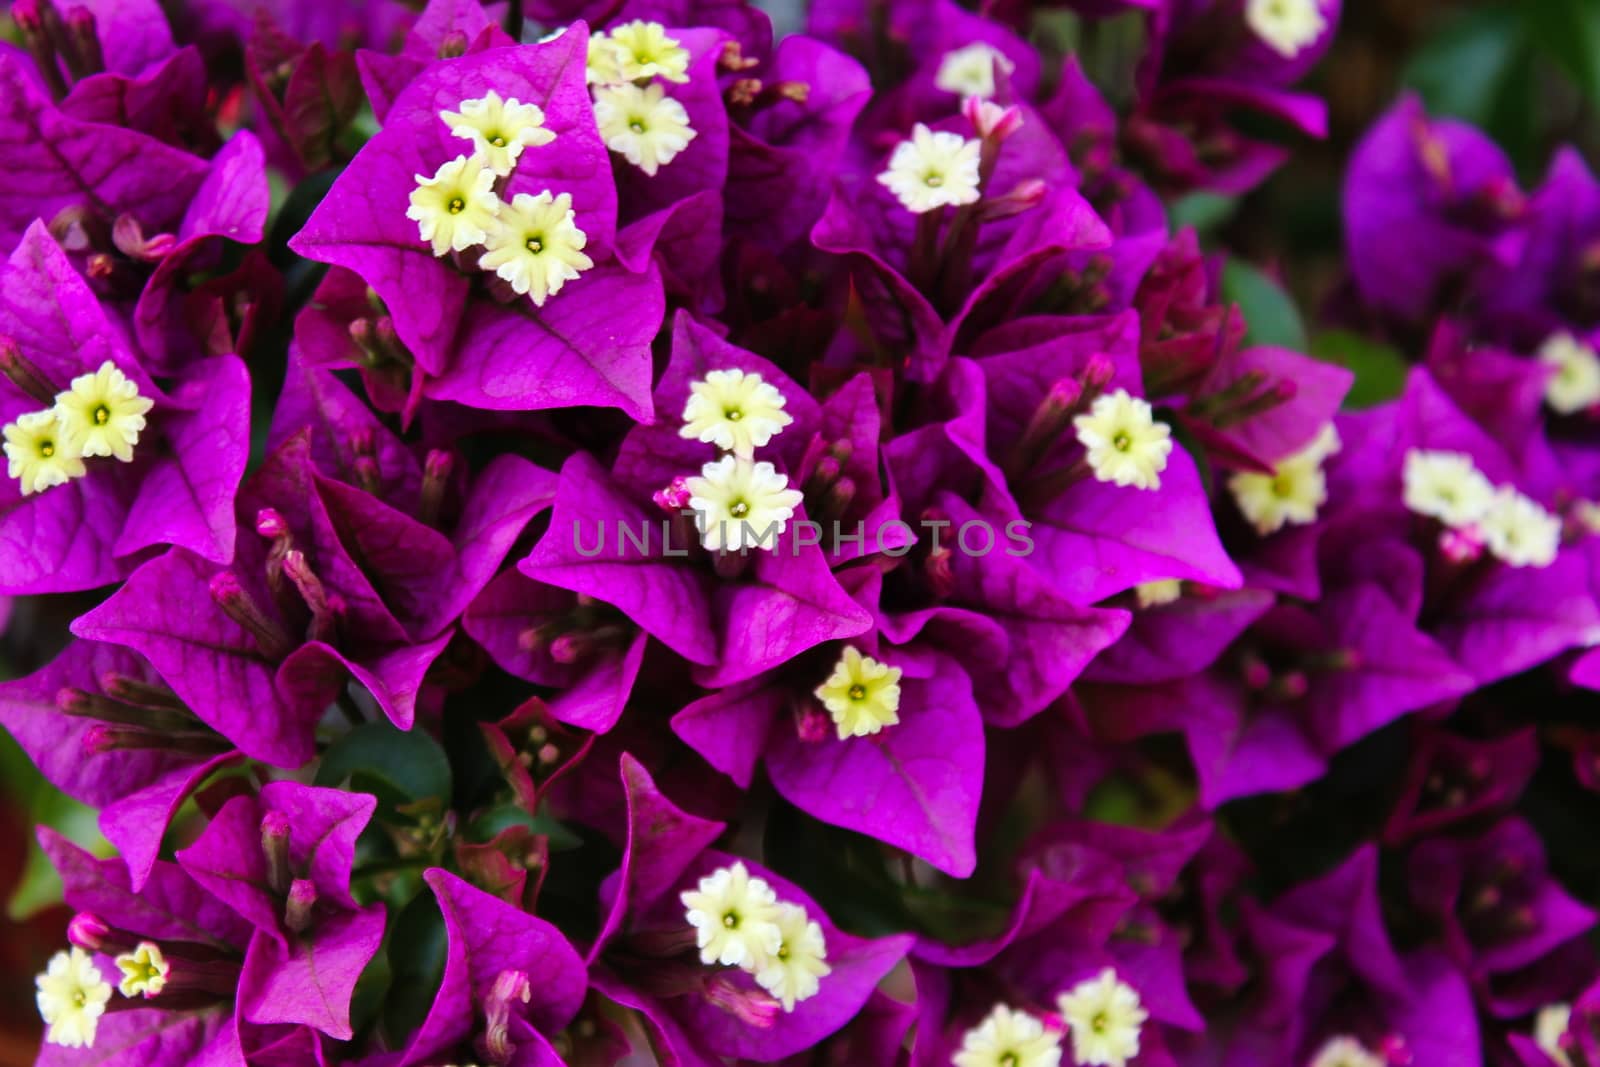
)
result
[(1526, 71)]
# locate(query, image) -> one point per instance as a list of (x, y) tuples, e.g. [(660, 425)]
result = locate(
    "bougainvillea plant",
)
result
[(594, 534)]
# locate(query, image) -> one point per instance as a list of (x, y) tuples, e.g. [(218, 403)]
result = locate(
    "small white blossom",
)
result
[(1127, 446), (1292, 493), (645, 126), (861, 694), (643, 50), (1345, 1052), (969, 71), (1574, 383), (454, 209), (932, 170), (102, 414), (796, 967), (1105, 1017), (741, 504), (72, 996), (144, 971), (735, 411), (1008, 1038), (38, 453), (604, 63), (1155, 594), (534, 244), (1446, 486), (499, 129), (1520, 532), (1287, 26), (735, 918), (1549, 1027)]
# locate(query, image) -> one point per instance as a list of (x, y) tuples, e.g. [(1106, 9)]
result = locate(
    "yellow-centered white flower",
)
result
[(861, 694), (1520, 532), (1292, 493), (38, 454), (454, 209), (645, 51), (72, 996), (1288, 26), (1105, 1017), (534, 244), (932, 170), (1574, 383), (144, 971), (1345, 1052), (1549, 1027), (1126, 445), (645, 126), (499, 129), (1008, 1038), (795, 969), (1157, 593), (969, 71), (603, 65), (102, 414), (741, 504), (1446, 486), (735, 917), (735, 411)]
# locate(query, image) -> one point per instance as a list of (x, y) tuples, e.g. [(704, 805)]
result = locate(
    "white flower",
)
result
[(1549, 1027), (1155, 594), (102, 414), (454, 209), (1286, 25), (794, 970), (741, 504), (1520, 532), (1008, 1038), (604, 63), (735, 918), (1345, 1052), (969, 71), (932, 170), (144, 971), (645, 126), (534, 244), (1574, 384), (645, 51), (499, 129), (1126, 444), (72, 996), (38, 454), (1292, 493), (1105, 1017), (735, 411), (1447, 486), (861, 694)]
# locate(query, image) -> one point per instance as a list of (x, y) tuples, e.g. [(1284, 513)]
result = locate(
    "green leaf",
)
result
[(1202, 212), (1569, 32), (1270, 315), (1461, 69), (496, 819), (397, 766), (38, 886), (1380, 369), (417, 946)]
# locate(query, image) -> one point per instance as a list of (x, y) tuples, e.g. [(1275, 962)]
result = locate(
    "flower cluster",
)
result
[(738, 920), (636, 539), (530, 241), (98, 414)]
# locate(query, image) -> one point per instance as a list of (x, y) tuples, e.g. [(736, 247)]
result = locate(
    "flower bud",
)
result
[(297, 907)]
